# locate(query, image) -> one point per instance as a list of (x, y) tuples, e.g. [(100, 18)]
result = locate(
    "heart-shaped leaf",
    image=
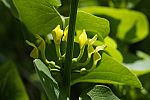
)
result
[(39, 16)]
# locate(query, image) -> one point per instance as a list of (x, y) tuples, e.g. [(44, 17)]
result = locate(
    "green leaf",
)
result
[(140, 67), (100, 92), (39, 16), (111, 48), (132, 3), (114, 53), (133, 25), (11, 86), (109, 71), (93, 24), (9, 4), (48, 82)]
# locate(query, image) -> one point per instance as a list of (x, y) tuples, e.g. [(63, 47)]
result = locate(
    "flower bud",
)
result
[(57, 34), (83, 39), (90, 49), (65, 34), (96, 57)]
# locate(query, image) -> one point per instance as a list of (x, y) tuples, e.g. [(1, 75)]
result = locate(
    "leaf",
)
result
[(140, 67), (93, 24), (48, 82), (133, 25), (132, 3), (100, 92), (123, 4), (110, 42), (114, 53), (39, 16), (111, 48), (11, 86), (88, 22), (109, 71), (9, 4)]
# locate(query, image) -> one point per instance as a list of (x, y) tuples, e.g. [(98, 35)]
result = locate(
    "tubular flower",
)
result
[(91, 41), (83, 39), (65, 34), (99, 48), (90, 49), (57, 34), (96, 57)]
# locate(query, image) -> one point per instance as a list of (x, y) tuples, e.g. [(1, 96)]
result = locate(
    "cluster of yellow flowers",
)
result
[(60, 35)]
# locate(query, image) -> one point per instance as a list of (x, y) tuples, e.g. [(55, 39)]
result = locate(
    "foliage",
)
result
[(10, 83), (90, 56)]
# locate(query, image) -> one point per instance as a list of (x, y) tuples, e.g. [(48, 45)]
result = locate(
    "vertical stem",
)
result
[(70, 47)]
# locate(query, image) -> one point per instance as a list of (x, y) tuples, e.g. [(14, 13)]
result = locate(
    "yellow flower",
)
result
[(91, 41), (83, 39), (96, 57), (90, 50), (57, 34), (99, 48), (65, 34)]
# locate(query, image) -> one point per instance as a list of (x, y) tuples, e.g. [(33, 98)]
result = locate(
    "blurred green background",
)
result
[(17, 76)]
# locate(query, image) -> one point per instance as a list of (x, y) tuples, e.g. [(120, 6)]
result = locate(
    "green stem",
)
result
[(57, 46), (70, 46), (80, 65), (80, 54)]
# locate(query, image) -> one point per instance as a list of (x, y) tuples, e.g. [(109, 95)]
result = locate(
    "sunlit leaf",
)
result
[(111, 48), (111, 72), (39, 16), (133, 25), (92, 24)]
